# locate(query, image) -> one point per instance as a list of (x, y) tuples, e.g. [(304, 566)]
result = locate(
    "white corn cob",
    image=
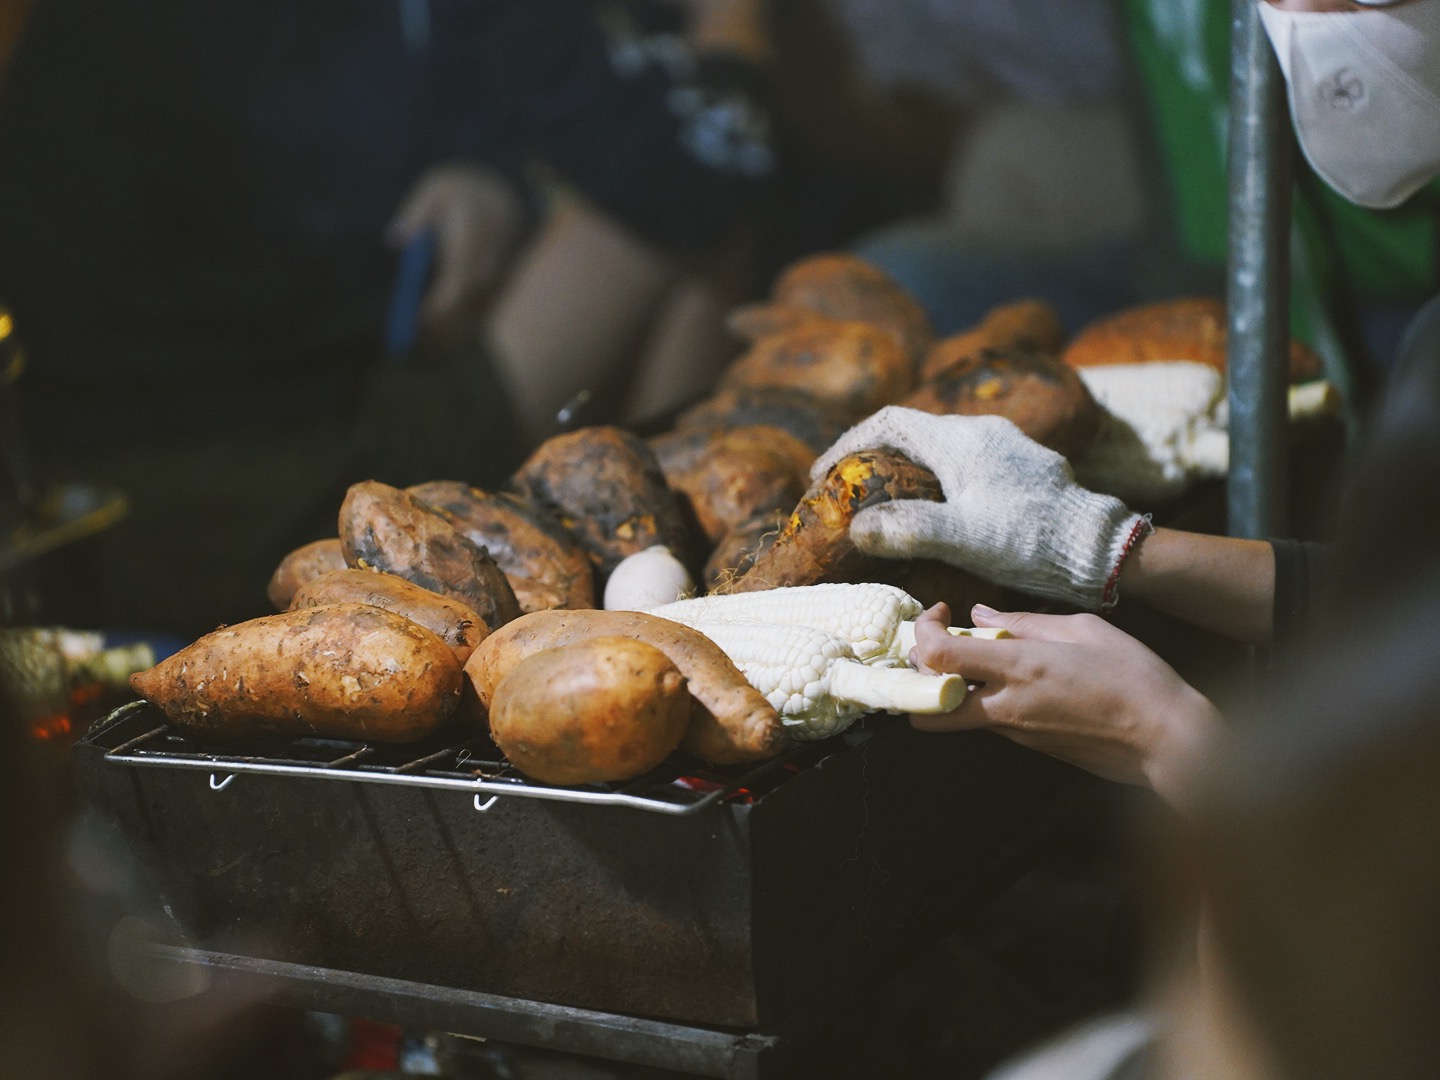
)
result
[(815, 683), (866, 615), (877, 620)]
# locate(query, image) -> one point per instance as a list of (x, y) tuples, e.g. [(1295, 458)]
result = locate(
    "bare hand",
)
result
[(1074, 687), (476, 216)]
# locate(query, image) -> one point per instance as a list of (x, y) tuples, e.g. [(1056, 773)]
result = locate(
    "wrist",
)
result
[(1190, 731)]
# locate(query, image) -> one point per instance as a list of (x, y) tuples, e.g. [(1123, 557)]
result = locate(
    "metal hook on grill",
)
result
[(488, 802), (223, 784)]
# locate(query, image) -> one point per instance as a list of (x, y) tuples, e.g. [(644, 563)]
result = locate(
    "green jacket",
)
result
[(1343, 255)]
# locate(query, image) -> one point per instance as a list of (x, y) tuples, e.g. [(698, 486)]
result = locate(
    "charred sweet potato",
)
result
[(1025, 324), (384, 528), (737, 551), (729, 476), (342, 671), (602, 709), (842, 286), (539, 556), (454, 623), (605, 486), (1193, 328), (814, 422), (302, 565), (732, 722), (814, 543), (857, 365), (1044, 397)]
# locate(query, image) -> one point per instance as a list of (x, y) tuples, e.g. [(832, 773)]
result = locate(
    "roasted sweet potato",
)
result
[(343, 671), (1193, 328), (1044, 397), (751, 322), (732, 721), (540, 557), (302, 565), (607, 708), (729, 476), (857, 365), (842, 286), (605, 486), (1025, 324), (737, 551), (384, 528), (814, 422), (814, 544), (454, 623)]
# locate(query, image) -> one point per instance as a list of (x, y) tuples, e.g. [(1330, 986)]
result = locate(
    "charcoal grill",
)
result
[(716, 902)]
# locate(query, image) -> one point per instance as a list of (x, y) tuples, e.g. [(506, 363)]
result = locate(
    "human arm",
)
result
[(1014, 514), (1077, 688), (475, 215), (1218, 583)]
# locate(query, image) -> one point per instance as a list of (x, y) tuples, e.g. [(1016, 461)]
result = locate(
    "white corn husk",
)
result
[(815, 683), (1166, 426)]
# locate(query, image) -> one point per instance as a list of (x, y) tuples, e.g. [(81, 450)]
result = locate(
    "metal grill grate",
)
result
[(138, 734)]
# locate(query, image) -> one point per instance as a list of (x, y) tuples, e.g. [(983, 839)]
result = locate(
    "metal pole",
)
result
[(1259, 275)]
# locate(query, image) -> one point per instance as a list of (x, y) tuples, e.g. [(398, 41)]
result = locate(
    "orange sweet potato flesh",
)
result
[(455, 624), (605, 486), (814, 543), (303, 564), (384, 528), (1045, 398), (1191, 328), (1027, 324), (732, 722), (604, 709), (540, 558), (344, 671)]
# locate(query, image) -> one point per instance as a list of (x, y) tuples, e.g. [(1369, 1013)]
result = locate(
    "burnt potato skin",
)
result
[(539, 556), (604, 485), (384, 528)]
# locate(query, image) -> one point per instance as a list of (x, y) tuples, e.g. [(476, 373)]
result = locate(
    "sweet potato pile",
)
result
[(444, 601)]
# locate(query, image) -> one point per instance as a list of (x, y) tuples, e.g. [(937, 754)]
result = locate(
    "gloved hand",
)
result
[(1013, 513)]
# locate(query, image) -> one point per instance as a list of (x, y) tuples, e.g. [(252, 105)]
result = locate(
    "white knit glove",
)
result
[(1013, 513)]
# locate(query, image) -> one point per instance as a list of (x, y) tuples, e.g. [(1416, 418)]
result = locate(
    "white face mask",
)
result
[(1364, 96)]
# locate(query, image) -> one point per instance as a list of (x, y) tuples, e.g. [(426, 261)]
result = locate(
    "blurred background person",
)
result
[(200, 211)]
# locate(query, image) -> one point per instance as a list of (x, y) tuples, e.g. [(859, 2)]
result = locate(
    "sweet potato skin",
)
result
[(384, 528), (345, 671), (1046, 399), (814, 543), (842, 286), (540, 557), (729, 476), (454, 623), (607, 708), (1190, 328), (1025, 324), (732, 721), (856, 365), (305, 563), (605, 486), (814, 422)]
